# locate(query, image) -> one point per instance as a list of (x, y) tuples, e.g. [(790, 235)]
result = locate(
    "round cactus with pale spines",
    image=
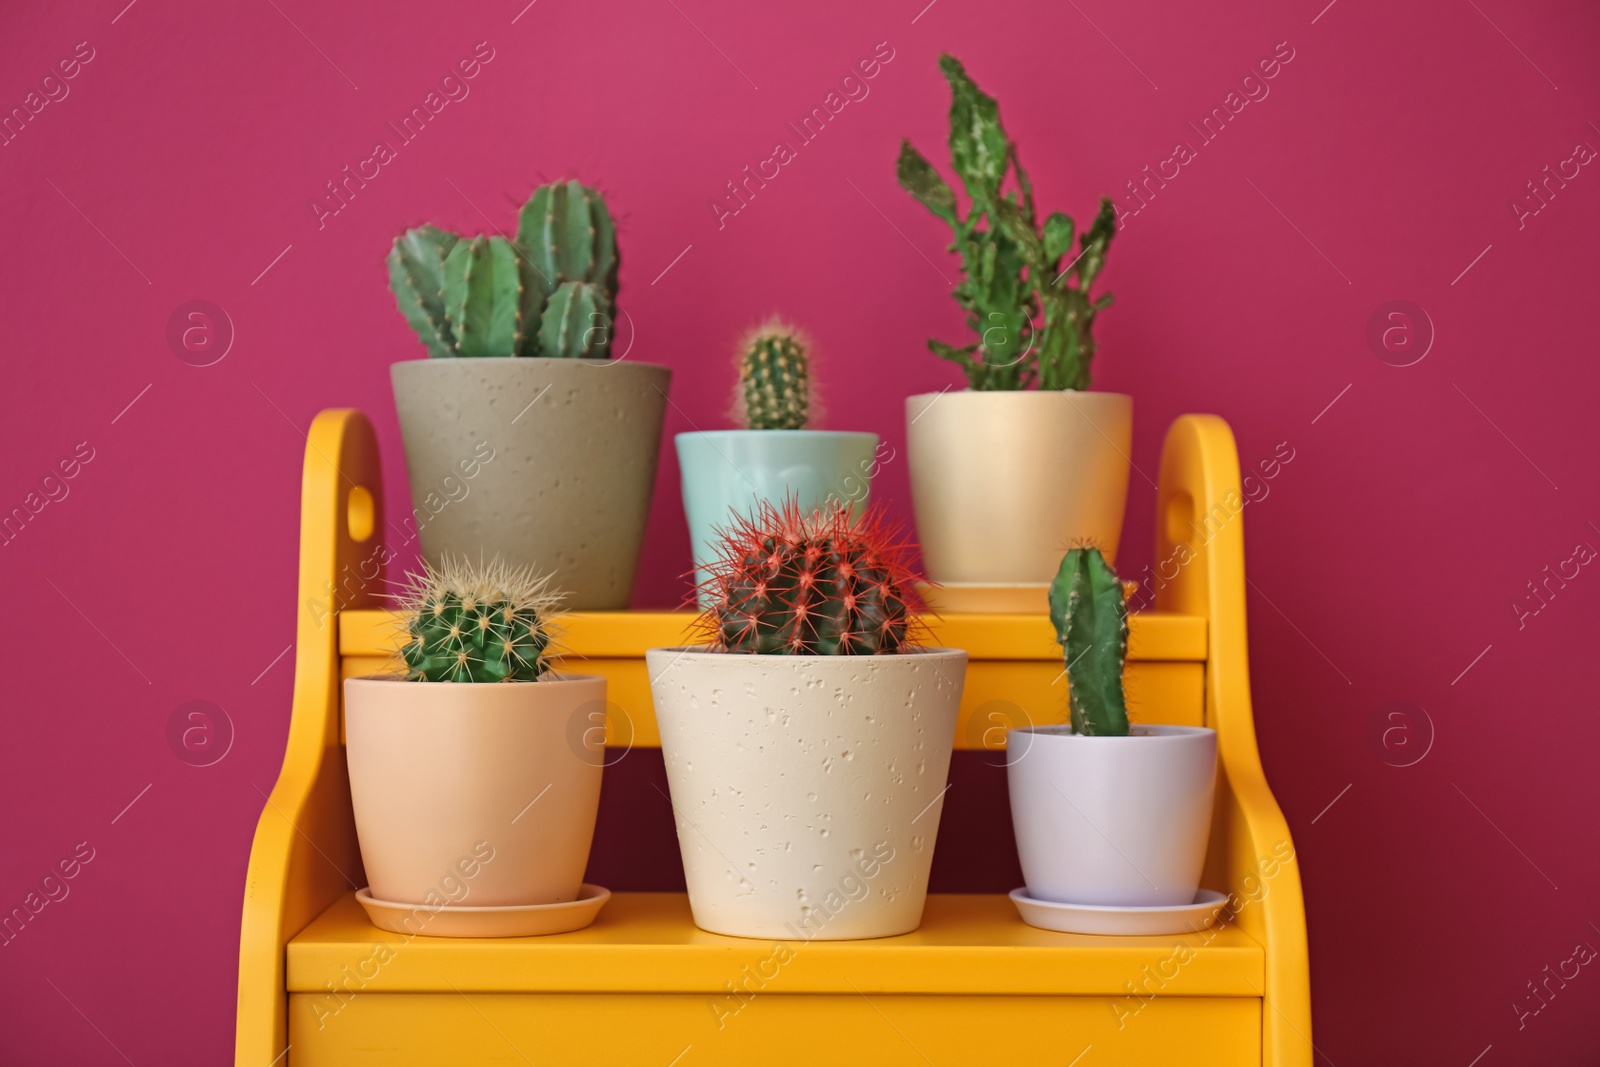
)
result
[(819, 582), (775, 379), (467, 622)]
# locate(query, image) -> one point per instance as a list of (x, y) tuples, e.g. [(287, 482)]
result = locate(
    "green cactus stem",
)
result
[(576, 323), (1090, 612), (570, 236), (416, 276), (819, 582), (775, 379), (483, 297), (551, 292), (469, 623), (1032, 324)]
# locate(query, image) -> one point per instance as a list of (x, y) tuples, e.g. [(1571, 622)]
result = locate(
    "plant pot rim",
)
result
[(474, 360), (1024, 392), (704, 652), (775, 433), (549, 678), (1149, 732)]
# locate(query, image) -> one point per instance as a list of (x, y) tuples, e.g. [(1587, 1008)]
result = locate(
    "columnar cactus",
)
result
[(822, 582), (472, 623), (1012, 270), (1090, 612), (551, 292), (775, 379), (416, 275), (569, 236), (483, 296)]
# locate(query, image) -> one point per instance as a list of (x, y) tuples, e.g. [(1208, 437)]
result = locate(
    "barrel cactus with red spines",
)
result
[(820, 582)]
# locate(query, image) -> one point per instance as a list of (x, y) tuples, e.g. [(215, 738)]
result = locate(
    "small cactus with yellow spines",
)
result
[(465, 622), (775, 379)]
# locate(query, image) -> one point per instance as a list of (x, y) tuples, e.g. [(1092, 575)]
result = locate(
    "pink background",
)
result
[(1385, 558)]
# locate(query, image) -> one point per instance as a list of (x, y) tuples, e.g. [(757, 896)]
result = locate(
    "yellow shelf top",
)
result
[(647, 943), (1152, 635)]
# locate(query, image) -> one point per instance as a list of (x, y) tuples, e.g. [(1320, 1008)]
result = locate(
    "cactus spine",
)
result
[(775, 380), (1012, 271), (1090, 612), (822, 582), (470, 623), (551, 292)]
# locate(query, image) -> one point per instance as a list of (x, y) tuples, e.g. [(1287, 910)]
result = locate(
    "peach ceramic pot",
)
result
[(806, 789), (1003, 483), (474, 794)]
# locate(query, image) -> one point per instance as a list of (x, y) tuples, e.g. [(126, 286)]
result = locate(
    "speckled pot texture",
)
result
[(549, 462), (806, 789)]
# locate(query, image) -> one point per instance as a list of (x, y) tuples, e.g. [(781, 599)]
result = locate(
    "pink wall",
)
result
[(1386, 559)]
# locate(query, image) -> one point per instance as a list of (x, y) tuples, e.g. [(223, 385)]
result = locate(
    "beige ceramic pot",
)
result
[(806, 789), (474, 794), (546, 462), (1003, 483)]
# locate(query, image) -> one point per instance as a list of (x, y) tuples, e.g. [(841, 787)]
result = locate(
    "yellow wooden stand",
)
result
[(318, 985)]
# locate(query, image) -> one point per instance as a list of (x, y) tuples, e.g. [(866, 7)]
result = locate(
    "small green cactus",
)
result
[(576, 323), (472, 623), (1090, 612), (775, 379), (551, 292), (1031, 324)]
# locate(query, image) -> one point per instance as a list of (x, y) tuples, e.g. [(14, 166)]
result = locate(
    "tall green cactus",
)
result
[(551, 292), (1090, 612), (570, 236), (1011, 266), (775, 379)]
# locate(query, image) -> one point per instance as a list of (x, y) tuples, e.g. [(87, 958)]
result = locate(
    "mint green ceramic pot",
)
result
[(724, 470)]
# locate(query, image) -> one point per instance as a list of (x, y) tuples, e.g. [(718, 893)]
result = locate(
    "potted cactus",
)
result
[(807, 740), (775, 454), (446, 756), (527, 437), (1106, 814), (984, 518)]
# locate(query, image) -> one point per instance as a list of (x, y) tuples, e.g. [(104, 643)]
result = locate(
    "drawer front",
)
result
[(673, 1030)]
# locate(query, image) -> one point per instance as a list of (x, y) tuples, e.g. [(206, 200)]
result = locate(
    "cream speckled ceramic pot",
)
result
[(806, 789), (1003, 483)]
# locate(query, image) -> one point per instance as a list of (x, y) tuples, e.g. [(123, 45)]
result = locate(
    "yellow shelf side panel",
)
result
[(305, 855), (1200, 543)]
